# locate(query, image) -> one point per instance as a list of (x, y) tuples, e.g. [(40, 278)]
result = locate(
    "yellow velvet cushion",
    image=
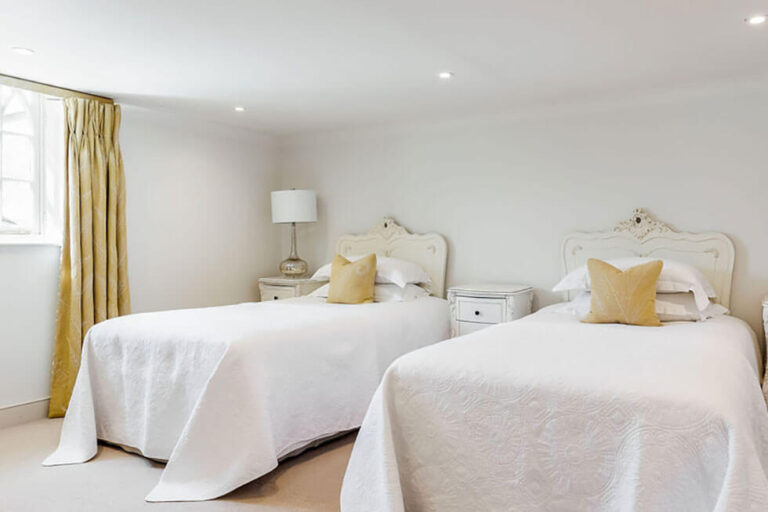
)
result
[(627, 297), (352, 281)]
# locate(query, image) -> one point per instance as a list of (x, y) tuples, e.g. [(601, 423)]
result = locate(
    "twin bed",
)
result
[(544, 413), (223, 393), (548, 413)]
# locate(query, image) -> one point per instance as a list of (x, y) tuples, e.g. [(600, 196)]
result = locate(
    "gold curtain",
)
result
[(94, 265)]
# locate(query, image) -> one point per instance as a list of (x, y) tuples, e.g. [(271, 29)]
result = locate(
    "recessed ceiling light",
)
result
[(23, 51), (757, 19), (445, 75), (239, 109)]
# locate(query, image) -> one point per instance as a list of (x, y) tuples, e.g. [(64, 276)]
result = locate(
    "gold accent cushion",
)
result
[(352, 281), (627, 297)]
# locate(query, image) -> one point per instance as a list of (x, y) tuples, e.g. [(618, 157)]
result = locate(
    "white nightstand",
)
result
[(276, 288), (474, 307), (765, 323), (765, 330), (765, 314)]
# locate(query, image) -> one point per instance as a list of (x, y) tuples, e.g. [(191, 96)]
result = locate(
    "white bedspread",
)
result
[(223, 393), (548, 414)]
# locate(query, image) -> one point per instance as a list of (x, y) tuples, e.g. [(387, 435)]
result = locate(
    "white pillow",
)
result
[(670, 307), (385, 292), (682, 307), (388, 270), (675, 277)]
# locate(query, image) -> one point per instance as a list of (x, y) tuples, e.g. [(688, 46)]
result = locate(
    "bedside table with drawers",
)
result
[(765, 314), (474, 307), (765, 331), (276, 288)]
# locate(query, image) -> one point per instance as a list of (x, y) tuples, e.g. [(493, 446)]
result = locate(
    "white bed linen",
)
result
[(222, 393), (549, 414)]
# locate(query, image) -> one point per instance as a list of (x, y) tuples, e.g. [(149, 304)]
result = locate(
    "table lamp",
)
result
[(292, 206)]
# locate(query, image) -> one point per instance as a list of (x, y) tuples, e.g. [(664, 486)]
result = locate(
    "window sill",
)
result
[(28, 240)]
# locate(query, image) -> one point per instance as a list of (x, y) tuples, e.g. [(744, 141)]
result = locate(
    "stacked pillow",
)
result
[(396, 280), (670, 307), (388, 270), (683, 293), (385, 292)]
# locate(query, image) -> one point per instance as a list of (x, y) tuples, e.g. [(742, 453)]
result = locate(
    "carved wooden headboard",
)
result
[(389, 239), (642, 235)]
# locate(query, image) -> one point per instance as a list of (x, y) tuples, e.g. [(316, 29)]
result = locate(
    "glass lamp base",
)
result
[(294, 267)]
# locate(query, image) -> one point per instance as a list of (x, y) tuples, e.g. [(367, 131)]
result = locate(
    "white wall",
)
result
[(198, 212), (199, 234), (505, 188), (29, 280)]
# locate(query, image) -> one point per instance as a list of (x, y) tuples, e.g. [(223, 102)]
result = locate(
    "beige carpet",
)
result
[(118, 481)]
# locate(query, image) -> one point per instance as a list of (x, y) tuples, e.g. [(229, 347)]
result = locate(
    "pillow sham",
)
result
[(670, 307), (623, 297), (385, 292), (352, 281), (682, 307), (388, 270), (675, 277)]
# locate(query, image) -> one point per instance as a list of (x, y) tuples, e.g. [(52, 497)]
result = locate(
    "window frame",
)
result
[(38, 235), (47, 217)]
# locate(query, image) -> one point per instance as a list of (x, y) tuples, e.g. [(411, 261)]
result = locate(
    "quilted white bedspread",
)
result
[(223, 393), (549, 414)]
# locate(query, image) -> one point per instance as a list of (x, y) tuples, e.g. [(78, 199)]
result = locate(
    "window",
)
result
[(31, 166)]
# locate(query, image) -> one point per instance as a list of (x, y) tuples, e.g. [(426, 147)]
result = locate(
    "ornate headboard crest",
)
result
[(642, 225), (643, 235), (388, 228), (389, 239)]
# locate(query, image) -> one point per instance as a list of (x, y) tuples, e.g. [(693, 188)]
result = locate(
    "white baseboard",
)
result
[(23, 413)]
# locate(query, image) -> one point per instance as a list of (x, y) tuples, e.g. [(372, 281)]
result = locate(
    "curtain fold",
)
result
[(94, 266)]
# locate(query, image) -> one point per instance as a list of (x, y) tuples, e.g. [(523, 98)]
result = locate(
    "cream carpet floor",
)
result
[(118, 481)]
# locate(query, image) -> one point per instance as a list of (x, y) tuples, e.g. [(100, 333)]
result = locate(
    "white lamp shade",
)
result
[(294, 206)]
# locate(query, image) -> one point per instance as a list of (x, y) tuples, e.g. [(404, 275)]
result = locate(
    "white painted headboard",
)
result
[(642, 235), (389, 239)]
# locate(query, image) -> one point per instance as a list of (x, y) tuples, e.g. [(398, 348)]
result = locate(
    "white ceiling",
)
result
[(299, 65)]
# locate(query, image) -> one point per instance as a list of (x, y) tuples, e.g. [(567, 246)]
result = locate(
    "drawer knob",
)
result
[(275, 297), (477, 313)]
